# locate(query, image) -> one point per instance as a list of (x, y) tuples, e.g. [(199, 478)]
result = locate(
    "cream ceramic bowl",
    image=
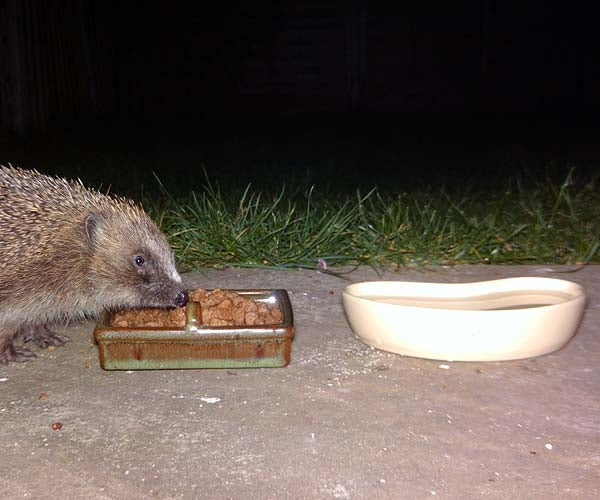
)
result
[(503, 319)]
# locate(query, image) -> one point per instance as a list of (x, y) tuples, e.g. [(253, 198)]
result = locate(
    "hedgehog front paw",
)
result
[(41, 336), (8, 353)]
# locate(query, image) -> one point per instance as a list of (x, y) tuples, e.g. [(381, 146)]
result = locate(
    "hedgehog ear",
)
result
[(92, 227)]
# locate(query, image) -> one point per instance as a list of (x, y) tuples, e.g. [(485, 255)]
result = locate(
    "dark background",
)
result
[(324, 91)]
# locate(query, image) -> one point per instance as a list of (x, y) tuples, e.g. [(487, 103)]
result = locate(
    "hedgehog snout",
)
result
[(181, 299)]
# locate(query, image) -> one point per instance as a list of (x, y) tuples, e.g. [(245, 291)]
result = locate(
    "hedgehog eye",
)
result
[(139, 261)]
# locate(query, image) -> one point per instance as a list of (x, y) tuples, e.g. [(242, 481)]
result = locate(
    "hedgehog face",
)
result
[(133, 263), (155, 279)]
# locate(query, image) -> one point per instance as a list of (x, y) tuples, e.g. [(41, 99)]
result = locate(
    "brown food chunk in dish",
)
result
[(150, 317), (222, 308), (219, 308)]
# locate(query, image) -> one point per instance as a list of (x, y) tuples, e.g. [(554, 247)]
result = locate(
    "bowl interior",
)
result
[(496, 295)]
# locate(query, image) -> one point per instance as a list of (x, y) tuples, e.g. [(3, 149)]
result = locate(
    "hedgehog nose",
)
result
[(181, 299)]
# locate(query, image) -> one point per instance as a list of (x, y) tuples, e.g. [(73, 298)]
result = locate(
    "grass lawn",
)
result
[(548, 222)]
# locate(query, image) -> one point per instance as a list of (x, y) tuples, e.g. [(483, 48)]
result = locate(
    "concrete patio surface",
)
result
[(343, 420)]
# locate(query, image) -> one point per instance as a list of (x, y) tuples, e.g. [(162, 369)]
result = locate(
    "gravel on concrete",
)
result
[(343, 420)]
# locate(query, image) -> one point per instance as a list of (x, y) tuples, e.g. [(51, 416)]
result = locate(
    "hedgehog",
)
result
[(67, 253)]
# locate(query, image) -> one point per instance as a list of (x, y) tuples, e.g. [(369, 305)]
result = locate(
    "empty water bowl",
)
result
[(503, 319)]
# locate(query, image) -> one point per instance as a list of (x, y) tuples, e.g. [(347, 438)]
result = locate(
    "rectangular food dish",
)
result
[(196, 345)]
